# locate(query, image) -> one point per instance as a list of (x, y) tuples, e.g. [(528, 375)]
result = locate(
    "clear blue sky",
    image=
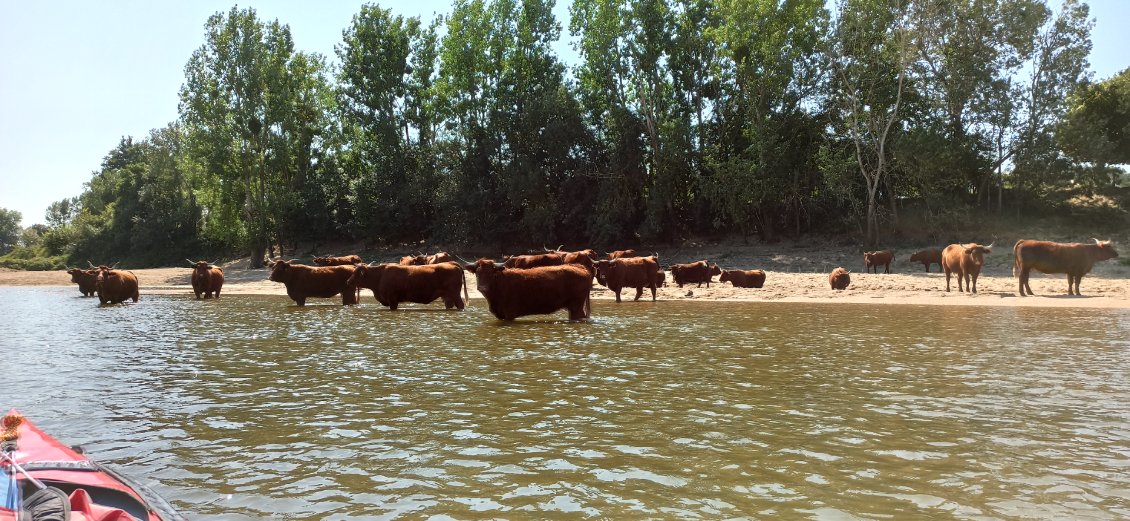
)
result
[(76, 76)]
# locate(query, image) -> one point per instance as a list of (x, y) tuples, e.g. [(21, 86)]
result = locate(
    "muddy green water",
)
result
[(251, 408)]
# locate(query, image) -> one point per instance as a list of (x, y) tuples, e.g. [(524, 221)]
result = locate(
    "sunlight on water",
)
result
[(660, 410)]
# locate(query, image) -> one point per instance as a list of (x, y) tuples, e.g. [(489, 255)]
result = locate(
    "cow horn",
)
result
[(371, 264), (1100, 243), (461, 259), (990, 246), (190, 262), (90, 263), (115, 266)]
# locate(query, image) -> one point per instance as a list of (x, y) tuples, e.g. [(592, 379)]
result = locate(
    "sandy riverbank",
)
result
[(794, 274)]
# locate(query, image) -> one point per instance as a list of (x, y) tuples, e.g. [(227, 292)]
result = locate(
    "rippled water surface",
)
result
[(249, 407)]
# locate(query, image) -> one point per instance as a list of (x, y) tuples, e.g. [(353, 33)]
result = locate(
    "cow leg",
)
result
[(947, 281), (639, 291), (974, 286), (1078, 279), (1027, 273), (617, 291), (887, 268), (653, 293)]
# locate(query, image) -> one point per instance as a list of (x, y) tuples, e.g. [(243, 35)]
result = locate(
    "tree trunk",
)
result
[(257, 257)]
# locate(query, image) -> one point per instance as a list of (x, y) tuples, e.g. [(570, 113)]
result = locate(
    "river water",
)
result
[(248, 407)]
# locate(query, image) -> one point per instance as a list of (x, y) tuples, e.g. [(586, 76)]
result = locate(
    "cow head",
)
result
[(280, 271), (1106, 250), (715, 270), (365, 274), (440, 257), (486, 271), (917, 256), (321, 261), (201, 268), (726, 277), (977, 252), (601, 267)]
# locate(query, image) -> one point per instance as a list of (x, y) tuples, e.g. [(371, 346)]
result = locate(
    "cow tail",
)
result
[(466, 297), (1016, 258)]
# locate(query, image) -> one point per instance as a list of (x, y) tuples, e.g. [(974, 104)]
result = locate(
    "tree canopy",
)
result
[(680, 118)]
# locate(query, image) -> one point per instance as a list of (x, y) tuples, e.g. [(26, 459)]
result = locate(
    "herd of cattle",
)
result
[(545, 282)]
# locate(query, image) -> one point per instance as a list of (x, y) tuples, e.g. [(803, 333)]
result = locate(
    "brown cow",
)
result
[(1075, 259), (629, 272), (87, 280), (533, 260), (927, 257), (424, 260), (966, 261), (694, 272), (839, 279), (621, 254), (206, 279), (395, 283), (874, 259), (577, 257), (115, 286), (303, 282), (347, 260), (744, 278), (513, 293)]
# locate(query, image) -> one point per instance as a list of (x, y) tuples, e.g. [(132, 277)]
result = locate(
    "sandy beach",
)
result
[(793, 274)]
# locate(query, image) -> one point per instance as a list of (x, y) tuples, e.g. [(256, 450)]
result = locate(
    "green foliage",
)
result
[(682, 118), (10, 229), (1096, 129)]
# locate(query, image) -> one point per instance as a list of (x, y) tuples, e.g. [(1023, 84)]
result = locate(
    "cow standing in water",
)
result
[(396, 283), (206, 279), (1075, 259), (513, 293), (87, 280), (115, 286), (303, 282), (629, 272), (966, 261)]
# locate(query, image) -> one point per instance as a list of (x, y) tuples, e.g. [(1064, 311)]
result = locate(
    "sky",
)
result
[(76, 76)]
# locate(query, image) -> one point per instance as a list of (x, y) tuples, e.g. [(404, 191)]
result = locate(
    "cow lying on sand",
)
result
[(744, 278), (839, 279)]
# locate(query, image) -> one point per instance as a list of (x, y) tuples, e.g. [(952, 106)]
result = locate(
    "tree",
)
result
[(870, 53), (10, 229), (246, 104), (1096, 128)]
